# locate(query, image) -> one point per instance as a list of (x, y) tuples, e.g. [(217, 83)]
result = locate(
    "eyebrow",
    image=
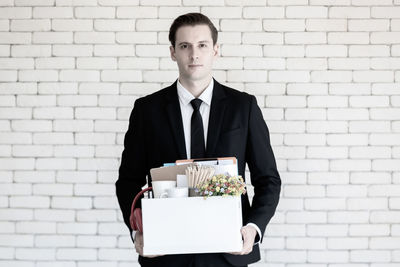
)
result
[(205, 41)]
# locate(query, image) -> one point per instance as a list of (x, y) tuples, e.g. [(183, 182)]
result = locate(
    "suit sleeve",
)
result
[(133, 168), (264, 174)]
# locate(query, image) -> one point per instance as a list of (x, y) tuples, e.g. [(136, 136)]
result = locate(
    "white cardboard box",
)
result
[(192, 225)]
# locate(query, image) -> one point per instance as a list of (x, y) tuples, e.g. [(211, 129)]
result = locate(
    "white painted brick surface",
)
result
[(325, 74)]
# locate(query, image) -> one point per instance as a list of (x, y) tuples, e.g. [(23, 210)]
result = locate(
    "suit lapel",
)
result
[(175, 119), (218, 105)]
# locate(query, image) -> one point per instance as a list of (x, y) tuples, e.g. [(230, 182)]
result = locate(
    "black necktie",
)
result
[(197, 146)]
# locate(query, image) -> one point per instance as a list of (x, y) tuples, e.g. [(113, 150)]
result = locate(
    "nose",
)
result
[(193, 54)]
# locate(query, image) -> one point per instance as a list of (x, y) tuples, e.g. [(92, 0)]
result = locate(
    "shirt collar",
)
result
[(185, 96)]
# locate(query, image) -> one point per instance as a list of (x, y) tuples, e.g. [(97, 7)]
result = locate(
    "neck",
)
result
[(196, 88)]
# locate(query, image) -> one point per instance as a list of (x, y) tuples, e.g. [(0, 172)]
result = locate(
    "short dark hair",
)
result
[(191, 19)]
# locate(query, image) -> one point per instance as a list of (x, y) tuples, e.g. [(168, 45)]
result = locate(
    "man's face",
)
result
[(194, 52)]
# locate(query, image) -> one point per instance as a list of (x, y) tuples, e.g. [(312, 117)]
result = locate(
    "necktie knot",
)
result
[(196, 103)]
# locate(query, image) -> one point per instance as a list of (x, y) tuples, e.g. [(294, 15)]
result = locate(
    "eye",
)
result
[(203, 45), (184, 46)]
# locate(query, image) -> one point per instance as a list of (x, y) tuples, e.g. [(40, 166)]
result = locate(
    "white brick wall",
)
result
[(326, 76)]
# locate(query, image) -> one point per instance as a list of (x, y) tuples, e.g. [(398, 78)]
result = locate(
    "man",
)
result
[(197, 117)]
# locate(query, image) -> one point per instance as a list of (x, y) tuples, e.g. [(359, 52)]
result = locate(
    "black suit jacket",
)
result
[(236, 128)]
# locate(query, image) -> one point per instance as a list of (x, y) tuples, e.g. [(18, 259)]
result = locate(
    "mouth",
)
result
[(194, 66)]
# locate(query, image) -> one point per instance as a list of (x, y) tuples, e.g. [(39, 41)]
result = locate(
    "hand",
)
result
[(249, 234), (139, 245)]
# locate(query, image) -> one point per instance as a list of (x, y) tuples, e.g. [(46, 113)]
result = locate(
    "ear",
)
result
[(172, 51), (216, 50)]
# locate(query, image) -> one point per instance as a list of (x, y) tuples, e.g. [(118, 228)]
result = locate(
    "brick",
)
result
[(7, 101), (306, 12), (97, 164), (348, 38), (52, 37), (272, 113), (77, 100), (385, 139), (94, 138), (15, 38), (5, 50), (286, 126), (385, 63), (283, 51), (327, 152), (262, 38), (306, 63), (95, 113), (326, 51), (58, 88), (73, 50), (242, 50), (369, 25), (136, 37), (263, 12), (369, 50), (16, 215), (306, 217), (304, 139), (53, 113), (372, 2), (370, 178), (95, 12), (346, 190), (385, 12), (5, 126), (325, 204), (76, 254), (32, 151), (349, 63), (30, 25), (77, 228), (394, 204), (349, 12), (305, 243), (96, 215), (370, 152), (326, 25), (35, 101), (53, 138), (286, 256), (305, 114), (350, 165), (229, 37), (385, 38), (72, 25), (73, 125), (395, 25), (52, 189), (307, 89), (152, 51), (369, 101), (99, 88), (15, 12), (328, 178), (55, 164), (36, 227), (15, 138), (121, 2), (55, 241), (153, 24), (105, 203), (38, 75), (54, 215), (348, 217), (327, 101), (370, 256), (369, 230), (136, 12), (327, 230), (55, 63), (247, 75), (284, 25), (384, 243), (385, 113), (96, 241), (286, 230), (349, 89), (34, 3), (15, 189), (211, 12), (308, 165), (8, 76), (289, 76), (79, 75), (83, 177), (373, 76), (204, 2), (367, 203), (290, 204), (52, 12), (305, 38), (75, 203), (121, 75), (34, 176), (15, 113), (73, 151), (286, 2), (384, 190), (348, 114), (94, 37)]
